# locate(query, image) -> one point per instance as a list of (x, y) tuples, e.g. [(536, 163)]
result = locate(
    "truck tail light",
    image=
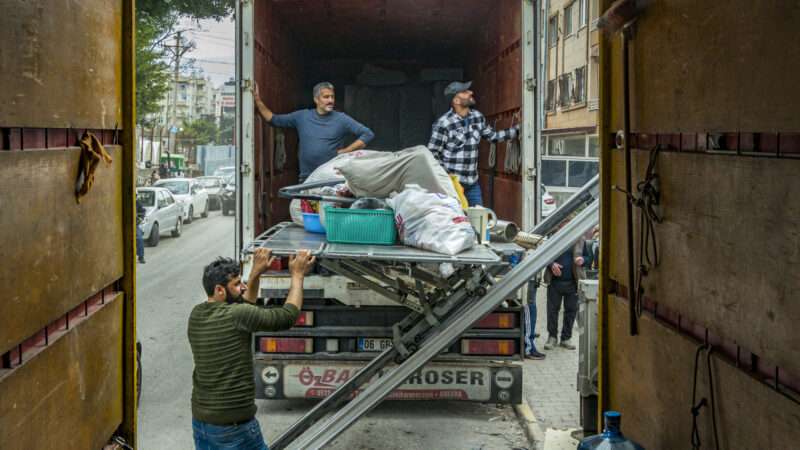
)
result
[(305, 319), (498, 321), (277, 265), (488, 347), (549, 201), (286, 345)]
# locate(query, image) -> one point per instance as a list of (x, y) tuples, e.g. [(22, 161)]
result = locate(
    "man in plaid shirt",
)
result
[(456, 136)]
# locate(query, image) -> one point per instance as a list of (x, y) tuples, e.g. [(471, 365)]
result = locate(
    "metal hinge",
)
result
[(246, 84), (244, 169), (530, 84), (531, 174)]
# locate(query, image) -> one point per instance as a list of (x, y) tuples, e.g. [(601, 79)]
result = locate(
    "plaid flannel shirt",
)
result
[(455, 139)]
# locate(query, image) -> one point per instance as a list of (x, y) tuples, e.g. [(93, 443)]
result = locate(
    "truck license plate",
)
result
[(373, 344)]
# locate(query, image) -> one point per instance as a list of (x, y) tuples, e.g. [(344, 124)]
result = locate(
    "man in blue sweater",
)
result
[(321, 130)]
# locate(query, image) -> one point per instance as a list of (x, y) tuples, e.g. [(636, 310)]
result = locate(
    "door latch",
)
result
[(530, 84)]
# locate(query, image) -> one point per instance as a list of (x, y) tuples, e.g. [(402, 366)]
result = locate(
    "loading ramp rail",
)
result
[(443, 308)]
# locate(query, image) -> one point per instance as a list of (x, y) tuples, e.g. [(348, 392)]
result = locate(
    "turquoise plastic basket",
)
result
[(360, 226)]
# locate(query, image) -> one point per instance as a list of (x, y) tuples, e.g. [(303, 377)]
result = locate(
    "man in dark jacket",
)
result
[(562, 286), (140, 212)]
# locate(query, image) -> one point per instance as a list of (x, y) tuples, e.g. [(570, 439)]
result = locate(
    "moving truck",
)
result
[(389, 62), (707, 93), (67, 338)]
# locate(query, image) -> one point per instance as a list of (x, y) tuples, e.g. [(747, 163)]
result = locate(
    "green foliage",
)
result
[(196, 9), (155, 23), (226, 129), (152, 72), (199, 132)]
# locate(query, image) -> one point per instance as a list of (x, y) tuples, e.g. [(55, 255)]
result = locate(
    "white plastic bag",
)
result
[(433, 222)]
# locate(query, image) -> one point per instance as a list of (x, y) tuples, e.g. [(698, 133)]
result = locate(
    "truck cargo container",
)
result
[(389, 62)]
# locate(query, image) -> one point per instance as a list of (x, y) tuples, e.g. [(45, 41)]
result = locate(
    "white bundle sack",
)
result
[(430, 221), (381, 173), (324, 172)]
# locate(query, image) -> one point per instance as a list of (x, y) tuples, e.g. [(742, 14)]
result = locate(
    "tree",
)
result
[(152, 72), (225, 134), (155, 23), (199, 132)]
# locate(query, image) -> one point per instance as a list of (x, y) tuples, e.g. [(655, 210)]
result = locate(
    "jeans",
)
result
[(245, 436), (139, 242), (529, 314), (558, 291), (473, 194)]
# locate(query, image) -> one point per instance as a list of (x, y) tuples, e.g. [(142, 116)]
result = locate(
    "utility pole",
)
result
[(177, 52)]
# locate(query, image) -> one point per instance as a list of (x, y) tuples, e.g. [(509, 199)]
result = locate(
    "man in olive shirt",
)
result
[(223, 388)]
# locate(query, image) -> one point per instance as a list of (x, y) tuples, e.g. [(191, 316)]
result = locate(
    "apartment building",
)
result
[(569, 135), (192, 97)]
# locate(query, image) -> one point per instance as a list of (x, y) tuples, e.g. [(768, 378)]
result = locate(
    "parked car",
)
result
[(162, 213), (225, 172), (229, 197), (548, 202), (190, 193), (213, 185)]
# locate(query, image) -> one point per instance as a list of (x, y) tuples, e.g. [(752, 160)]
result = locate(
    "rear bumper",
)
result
[(495, 382)]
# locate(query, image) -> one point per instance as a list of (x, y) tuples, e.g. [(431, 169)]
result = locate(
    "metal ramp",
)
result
[(447, 311)]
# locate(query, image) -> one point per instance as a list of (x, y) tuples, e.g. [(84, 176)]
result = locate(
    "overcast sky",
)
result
[(215, 51)]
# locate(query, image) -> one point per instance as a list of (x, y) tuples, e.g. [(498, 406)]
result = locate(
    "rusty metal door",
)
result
[(67, 359)]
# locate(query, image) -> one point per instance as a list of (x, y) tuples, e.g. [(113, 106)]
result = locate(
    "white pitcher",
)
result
[(482, 220)]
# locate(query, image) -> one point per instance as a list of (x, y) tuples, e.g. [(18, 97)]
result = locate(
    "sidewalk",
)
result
[(549, 385)]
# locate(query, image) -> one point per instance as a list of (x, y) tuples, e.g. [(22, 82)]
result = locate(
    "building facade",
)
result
[(191, 98), (569, 152)]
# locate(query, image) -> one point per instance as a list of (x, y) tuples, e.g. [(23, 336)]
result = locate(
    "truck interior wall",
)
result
[(67, 333), (389, 74), (713, 87), (652, 381), (278, 72), (495, 65)]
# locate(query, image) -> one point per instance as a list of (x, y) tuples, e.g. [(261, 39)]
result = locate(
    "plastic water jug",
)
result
[(612, 438)]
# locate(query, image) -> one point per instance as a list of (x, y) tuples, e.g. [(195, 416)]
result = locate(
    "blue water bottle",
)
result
[(612, 438)]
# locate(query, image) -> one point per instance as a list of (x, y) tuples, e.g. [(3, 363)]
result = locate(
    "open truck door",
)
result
[(245, 119), (67, 318)]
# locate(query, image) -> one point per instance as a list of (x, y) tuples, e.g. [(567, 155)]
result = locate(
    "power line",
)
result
[(211, 36), (211, 61)]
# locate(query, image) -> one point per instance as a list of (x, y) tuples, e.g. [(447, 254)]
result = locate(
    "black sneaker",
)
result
[(142, 261), (535, 355)]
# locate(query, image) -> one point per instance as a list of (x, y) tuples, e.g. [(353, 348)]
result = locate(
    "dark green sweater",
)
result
[(223, 383)]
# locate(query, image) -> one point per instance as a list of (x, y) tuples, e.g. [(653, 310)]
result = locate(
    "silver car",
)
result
[(161, 213), (188, 192), (213, 185)]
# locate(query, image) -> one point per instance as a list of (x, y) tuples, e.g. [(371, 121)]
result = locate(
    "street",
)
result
[(169, 285)]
